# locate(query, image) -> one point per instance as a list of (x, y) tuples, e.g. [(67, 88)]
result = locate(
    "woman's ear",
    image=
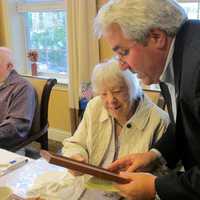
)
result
[(158, 38)]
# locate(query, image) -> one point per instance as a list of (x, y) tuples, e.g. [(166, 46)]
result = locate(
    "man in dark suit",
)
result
[(154, 39)]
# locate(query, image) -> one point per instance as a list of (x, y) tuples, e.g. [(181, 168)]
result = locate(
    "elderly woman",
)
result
[(120, 120)]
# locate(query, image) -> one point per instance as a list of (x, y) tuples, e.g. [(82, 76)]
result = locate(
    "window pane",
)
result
[(46, 33), (41, 1), (191, 9)]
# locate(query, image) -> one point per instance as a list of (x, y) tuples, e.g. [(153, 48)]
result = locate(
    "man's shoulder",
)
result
[(188, 33), (19, 80)]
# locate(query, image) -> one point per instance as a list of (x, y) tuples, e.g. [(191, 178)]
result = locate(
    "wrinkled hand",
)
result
[(141, 187), (134, 163), (80, 158)]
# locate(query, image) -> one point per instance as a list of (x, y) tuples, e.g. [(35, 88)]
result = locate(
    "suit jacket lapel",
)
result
[(166, 94)]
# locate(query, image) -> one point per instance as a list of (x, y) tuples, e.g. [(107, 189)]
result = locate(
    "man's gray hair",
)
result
[(137, 18), (109, 74)]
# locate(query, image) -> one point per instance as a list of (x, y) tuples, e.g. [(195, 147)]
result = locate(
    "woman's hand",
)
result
[(79, 158)]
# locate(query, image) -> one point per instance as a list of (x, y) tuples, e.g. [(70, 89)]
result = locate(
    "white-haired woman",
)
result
[(120, 120)]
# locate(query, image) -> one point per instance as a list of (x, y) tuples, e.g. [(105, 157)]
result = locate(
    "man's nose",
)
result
[(122, 63)]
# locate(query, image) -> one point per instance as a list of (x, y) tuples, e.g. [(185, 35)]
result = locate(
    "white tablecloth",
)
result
[(21, 179)]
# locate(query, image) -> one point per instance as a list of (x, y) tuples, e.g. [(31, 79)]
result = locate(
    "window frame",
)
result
[(22, 9), (192, 1)]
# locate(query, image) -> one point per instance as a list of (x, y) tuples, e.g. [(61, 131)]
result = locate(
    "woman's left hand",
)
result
[(79, 158)]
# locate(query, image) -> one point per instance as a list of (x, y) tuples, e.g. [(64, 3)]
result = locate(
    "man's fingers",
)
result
[(116, 165), (132, 168), (127, 175), (122, 189), (120, 165)]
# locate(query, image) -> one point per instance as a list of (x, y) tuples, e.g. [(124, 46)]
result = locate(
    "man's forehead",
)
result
[(5, 52), (116, 38), (3, 58), (5, 55), (113, 32)]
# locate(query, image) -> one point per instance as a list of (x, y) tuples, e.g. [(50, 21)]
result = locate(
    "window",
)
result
[(191, 7), (44, 23)]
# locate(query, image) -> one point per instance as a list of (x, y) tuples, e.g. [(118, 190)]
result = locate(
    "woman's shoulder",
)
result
[(95, 110), (95, 101), (95, 104)]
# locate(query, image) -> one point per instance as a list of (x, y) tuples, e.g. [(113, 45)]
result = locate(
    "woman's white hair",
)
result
[(137, 18), (109, 74)]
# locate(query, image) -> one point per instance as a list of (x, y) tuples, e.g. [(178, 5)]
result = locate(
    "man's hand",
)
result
[(134, 162), (142, 186), (80, 158)]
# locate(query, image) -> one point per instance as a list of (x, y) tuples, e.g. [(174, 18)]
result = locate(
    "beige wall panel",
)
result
[(59, 109), (2, 28), (105, 51)]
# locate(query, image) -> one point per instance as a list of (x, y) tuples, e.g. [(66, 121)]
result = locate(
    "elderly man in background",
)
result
[(155, 39), (17, 102)]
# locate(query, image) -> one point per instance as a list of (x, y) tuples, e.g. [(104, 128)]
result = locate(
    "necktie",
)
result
[(166, 94)]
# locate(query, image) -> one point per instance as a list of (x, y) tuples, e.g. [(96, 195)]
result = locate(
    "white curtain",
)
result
[(83, 49)]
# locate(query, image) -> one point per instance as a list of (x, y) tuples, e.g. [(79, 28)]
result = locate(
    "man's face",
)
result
[(146, 60), (4, 69)]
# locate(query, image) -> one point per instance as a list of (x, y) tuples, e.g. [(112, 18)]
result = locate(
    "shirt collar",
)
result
[(141, 116), (10, 79), (104, 115), (166, 70)]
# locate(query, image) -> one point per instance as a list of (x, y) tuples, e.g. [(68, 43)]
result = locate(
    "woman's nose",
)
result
[(110, 98)]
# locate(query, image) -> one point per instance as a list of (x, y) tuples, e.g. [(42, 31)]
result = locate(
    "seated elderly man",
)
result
[(17, 102), (119, 121)]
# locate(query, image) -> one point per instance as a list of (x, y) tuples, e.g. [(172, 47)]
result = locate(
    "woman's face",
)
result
[(116, 100)]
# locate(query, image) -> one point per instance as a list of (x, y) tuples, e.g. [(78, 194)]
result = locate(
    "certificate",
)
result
[(82, 167)]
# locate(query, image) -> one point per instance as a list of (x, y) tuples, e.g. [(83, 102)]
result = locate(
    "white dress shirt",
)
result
[(168, 77)]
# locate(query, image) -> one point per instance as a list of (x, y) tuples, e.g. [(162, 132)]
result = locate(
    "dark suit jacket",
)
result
[(182, 140)]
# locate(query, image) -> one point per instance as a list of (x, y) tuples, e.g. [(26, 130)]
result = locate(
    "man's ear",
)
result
[(9, 66), (158, 38)]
